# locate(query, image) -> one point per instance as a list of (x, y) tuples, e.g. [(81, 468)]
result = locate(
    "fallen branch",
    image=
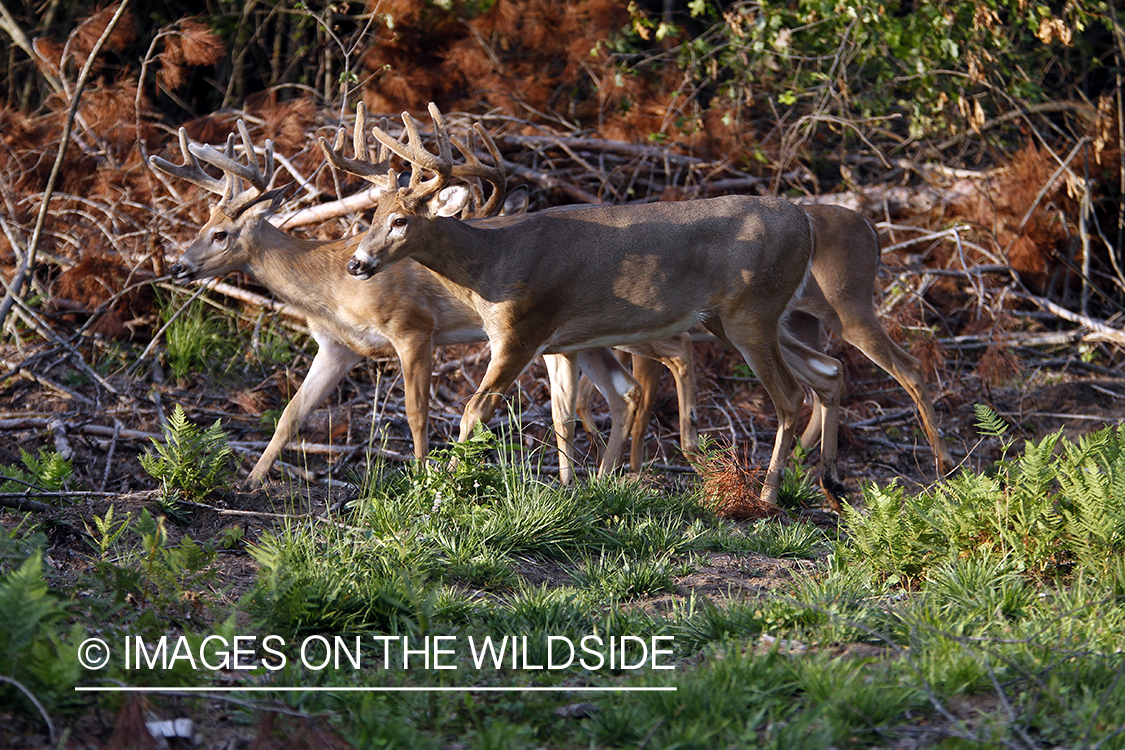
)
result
[(983, 341), (549, 182), (1099, 330), (572, 143), (328, 211), (319, 449), (19, 501), (258, 300)]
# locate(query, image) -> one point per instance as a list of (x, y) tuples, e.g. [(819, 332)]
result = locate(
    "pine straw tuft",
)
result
[(732, 488), (130, 731)]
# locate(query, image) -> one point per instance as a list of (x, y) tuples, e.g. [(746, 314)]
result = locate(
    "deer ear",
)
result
[(450, 201), (266, 204), (515, 202)]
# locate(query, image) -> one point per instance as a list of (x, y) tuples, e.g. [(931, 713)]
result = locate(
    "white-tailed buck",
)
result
[(407, 312), (839, 295), (567, 280)]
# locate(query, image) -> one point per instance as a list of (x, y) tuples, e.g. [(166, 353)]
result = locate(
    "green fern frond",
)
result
[(51, 470), (988, 422), (191, 460)]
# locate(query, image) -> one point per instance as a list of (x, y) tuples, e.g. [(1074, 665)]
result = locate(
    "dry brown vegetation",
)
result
[(1025, 286)]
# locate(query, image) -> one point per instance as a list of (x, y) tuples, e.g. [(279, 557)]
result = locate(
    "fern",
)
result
[(1092, 484), (191, 461), (171, 574), (1029, 522), (35, 649), (989, 423), (108, 531), (51, 470), (889, 536), (29, 607)]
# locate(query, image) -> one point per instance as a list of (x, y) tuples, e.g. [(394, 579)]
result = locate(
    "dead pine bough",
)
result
[(732, 485)]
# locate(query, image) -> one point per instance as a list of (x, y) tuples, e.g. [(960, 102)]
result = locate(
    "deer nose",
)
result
[(357, 267), (179, 270)]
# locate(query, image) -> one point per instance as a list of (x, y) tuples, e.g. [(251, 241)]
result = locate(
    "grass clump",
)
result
[(620, 578)]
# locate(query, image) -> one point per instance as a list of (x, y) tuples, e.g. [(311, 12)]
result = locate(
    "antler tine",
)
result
[(417, 155), (374, 172), (475, 170), (233, 202), (229, 164), (191, 170), (258, 180)]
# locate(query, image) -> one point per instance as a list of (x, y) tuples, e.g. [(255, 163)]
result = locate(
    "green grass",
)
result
[(986, 611), (203, 337)]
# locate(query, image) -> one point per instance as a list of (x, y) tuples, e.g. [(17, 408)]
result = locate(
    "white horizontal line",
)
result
[(453, 689)]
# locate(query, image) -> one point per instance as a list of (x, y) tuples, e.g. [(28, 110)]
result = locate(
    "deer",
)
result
[(564, 280), (675, 354), (405, 313), (839, 295)]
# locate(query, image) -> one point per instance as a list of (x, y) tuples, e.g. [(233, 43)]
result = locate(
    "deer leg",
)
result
[(332, 362), (647, 373), (677, 355), (416, 356), (584, 413), (682, 365), (869, 336), (756, 338), (805, 327), (562, 370), (621, 391), (821, 373), (507, 363)]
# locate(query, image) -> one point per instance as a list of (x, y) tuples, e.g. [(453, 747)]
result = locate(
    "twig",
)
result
[(62, 445), (109, 454), (1099, 331), (46, 382), (551, 183), (19, 501)]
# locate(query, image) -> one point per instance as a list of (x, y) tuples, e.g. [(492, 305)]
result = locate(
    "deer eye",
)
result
[(400, 221), (219, 236)]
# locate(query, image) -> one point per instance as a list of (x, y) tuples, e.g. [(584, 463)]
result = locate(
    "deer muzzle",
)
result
[(361, 267), (182, 272)]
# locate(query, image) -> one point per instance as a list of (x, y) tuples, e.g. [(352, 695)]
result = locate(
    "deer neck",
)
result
[(462, 257), (306, 274)]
